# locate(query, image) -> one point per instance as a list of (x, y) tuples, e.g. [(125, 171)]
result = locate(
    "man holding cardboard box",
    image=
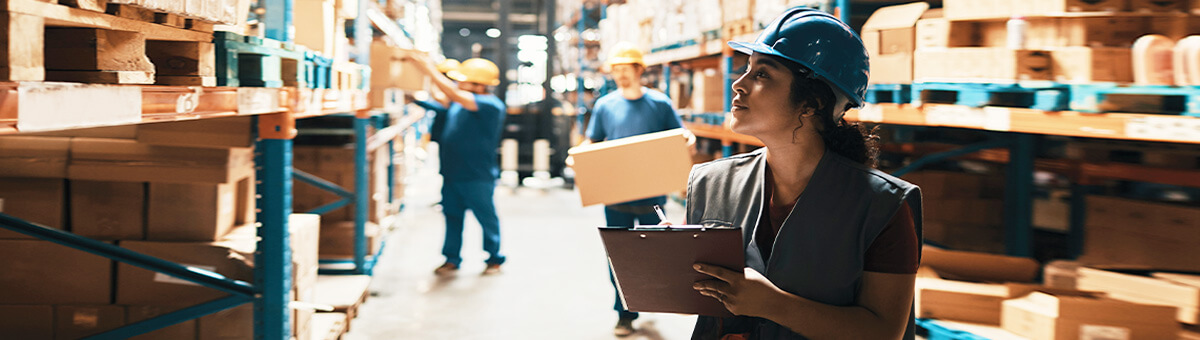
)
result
[(468, 134), (631, 111)]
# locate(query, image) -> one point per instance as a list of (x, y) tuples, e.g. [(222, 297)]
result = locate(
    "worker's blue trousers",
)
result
[(618, 217), (477, 196)]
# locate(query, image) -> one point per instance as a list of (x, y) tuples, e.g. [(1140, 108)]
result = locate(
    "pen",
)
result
[(658, 210)]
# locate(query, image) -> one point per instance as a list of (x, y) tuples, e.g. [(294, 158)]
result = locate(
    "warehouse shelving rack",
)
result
[(275, 111), (1015, 138)]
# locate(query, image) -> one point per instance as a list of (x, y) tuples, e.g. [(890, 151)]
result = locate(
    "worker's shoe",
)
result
[(446, 269), (492, 269), (624, 327)]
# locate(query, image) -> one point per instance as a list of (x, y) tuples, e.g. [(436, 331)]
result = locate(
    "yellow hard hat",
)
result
[(447, 65), (476, 70), (625, 53)]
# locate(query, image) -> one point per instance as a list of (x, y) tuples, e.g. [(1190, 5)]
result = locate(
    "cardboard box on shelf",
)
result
[(935, 32), (1049, 33), (1053, 7), (320, 25), (347, 9), (79, 321), (981, 64), (27, 321), (1083, 65), (389, 69), (38, 200), (233, 323), (977, 9), (953, 264), (234, 132), (1145, 290), (337, 239), (232, 258), (890, 37), (972, 301), (41, 272), (1052, 213), (957, 185), (1061, 274), (1164, 238), (632, 168), (126, 160), (1042, 316), (974, 237), (34, 156), (305, 241), (196, 212), (181, 331), (108, 210), (708, 91)]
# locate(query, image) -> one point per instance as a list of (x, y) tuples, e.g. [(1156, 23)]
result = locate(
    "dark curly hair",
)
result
[(850, 140)]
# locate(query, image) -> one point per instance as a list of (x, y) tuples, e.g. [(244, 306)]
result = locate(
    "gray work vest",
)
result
[(819, 252)]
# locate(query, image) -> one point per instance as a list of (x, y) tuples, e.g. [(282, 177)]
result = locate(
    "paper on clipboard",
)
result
[(653, 266)]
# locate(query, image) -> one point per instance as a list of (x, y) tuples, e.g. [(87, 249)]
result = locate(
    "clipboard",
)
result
[(653, 266)]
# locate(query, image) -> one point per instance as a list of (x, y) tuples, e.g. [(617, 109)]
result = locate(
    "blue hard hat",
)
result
[(821, 43)]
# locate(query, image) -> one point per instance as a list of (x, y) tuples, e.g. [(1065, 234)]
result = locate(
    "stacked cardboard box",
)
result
[(969, 286), (1138, 234), (174, 191), (336, 165), (391, 73), (1145, 290), (962, 211)]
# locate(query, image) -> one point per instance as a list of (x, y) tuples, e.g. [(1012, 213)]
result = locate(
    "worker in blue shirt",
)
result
[(468, 135), (630, 111)]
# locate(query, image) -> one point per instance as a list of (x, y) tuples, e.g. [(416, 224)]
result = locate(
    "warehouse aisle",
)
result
[(554, 285)]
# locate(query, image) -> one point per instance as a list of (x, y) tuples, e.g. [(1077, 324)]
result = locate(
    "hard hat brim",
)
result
[(623, 61), (459, 77), (750, 48)]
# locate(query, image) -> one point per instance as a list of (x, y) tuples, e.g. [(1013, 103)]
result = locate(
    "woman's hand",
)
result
[(747, 293)]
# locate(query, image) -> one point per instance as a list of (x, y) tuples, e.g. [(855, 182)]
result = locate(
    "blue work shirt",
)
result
[(614, 117), (467, 140)]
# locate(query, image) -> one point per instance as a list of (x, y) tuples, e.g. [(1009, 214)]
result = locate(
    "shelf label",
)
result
[(997, 119), (187, 102), (870, 113), (253, 100), (1184, 129), (1098, 332), (46, 106)]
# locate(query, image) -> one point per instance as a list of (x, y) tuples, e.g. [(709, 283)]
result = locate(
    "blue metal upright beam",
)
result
[(667, 79), (1018, 197), (844, 9), (362, 192), (273, 257), (278, 19)]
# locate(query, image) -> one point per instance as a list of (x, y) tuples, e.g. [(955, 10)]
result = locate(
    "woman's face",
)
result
[(760, 103)]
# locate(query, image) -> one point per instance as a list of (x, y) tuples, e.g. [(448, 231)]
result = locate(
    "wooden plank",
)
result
[(59, 15), (185, 80), (90, 49), (131, 12), (102, 77), (91, 5), (59, 106), (1184, 279), (170, 19), (21, 52), (182, 58), (198, 25)]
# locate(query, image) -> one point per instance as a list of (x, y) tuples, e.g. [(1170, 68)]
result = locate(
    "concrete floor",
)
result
[(554, 286)]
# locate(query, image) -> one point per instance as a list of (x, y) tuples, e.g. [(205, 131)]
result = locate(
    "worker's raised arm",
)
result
[(453, 93)]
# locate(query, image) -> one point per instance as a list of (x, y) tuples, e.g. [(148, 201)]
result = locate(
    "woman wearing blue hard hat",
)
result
[(832, 245)]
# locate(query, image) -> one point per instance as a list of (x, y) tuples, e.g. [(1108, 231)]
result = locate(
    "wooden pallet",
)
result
[(736, 28), (258, 62), (889, 93), (48, 41), (1181, 100), (346, 293), (1048, 96)]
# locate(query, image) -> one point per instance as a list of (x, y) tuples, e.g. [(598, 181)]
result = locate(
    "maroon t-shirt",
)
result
[(894, 250)]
